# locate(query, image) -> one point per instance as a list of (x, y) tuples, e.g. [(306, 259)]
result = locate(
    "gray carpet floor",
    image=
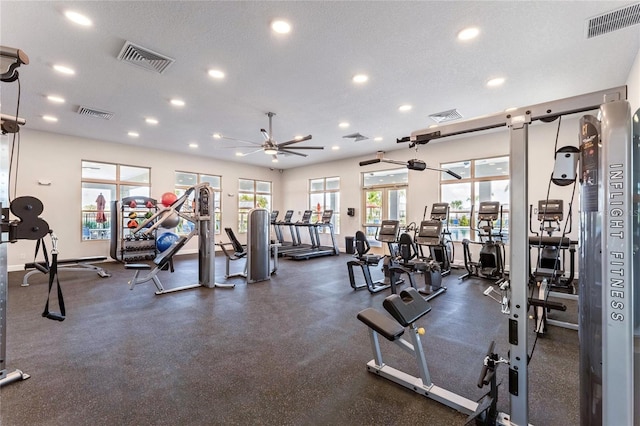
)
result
[(288, 351)]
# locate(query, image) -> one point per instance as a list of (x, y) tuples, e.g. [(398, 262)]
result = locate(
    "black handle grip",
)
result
[(455, 175)]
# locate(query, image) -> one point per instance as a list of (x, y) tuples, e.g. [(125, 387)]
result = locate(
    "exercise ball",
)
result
[(169, 220), (165, 240), (168, 198)]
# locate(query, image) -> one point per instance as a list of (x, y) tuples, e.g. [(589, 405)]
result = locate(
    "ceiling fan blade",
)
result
[(253, 152), (265, 135), (241, 140), (292, 141), (301, 147), (286, 151)]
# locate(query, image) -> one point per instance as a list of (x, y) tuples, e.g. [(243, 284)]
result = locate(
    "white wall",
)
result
[(58, 158)]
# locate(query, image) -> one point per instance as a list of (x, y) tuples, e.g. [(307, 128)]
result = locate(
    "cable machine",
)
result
[(617, 397)]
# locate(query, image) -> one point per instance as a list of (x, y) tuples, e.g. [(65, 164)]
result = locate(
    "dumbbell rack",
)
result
[(125, 245)]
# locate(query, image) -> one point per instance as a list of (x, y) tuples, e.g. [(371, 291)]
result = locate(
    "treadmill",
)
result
[(318, 250), (294, 228)]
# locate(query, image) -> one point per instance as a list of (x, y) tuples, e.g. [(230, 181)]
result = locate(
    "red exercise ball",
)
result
[(168, 198)]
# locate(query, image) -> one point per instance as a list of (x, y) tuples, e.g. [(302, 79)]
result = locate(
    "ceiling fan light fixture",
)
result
[(270, 151)]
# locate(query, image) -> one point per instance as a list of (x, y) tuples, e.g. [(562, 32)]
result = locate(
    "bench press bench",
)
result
[(77, 265)]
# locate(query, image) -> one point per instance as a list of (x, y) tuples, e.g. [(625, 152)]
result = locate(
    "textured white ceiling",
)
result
[(408, 49)]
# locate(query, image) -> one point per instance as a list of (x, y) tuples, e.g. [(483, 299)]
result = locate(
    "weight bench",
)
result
[(81, 264), (161, 261), (239, 252), (406, 308)]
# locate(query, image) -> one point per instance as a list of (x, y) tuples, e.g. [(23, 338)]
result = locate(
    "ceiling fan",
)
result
[(273, 148)]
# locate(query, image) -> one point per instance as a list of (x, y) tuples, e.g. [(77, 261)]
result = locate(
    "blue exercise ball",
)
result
[(165, 240)]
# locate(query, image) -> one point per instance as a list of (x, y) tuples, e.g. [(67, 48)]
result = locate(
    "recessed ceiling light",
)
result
[(510, 109), (133, 134), (151, 121), (193, 145), (335, 147), (360, 78), (494, 82), (239, 154), (56, 99), (63, 70), (468, 33), (298, 137), (281, 27), (177, 102), (78, 18), (377, 139), (274, 160), (405, 108), (50, 118), (213, 73), (217, 136), (343, 125), (432, 126)]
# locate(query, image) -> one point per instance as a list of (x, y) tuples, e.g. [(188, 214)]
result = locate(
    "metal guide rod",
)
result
[(4, 203), (518, 122)]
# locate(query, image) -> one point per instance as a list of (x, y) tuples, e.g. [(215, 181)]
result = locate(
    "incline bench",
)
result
[(78, 265)]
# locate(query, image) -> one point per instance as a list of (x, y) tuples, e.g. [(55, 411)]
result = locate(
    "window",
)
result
[(384, 198), (184, 181), (252, 194), (484, 179), (324, 194), (103, 183)]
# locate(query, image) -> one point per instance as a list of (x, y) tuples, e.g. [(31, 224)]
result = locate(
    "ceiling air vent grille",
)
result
[(444, 116), (92, 112), (145, 58), (613, 21)]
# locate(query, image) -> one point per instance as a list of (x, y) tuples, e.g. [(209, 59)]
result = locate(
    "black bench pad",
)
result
[(388, 328), (68, 261)]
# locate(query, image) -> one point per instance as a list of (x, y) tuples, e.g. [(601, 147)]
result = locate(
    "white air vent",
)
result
[(444, 116), (613, 21), (145, 58), (92, 112)]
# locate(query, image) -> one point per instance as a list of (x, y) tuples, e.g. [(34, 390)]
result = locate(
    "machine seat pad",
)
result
[(548, 273), (137, 266), (407, 307), (562, 242), (380, 323), (547, 304)]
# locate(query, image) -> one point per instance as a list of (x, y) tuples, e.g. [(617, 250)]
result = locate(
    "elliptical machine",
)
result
[(490, 264), (551, 275), (434, 234)]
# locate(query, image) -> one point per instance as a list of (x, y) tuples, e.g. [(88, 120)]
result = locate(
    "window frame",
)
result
[(371, 228), (460, 231), (104, 233), (243, 212), (217, 197), (335, 219)]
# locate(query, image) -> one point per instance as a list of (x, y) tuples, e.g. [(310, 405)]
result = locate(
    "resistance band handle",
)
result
[(53, 272)]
